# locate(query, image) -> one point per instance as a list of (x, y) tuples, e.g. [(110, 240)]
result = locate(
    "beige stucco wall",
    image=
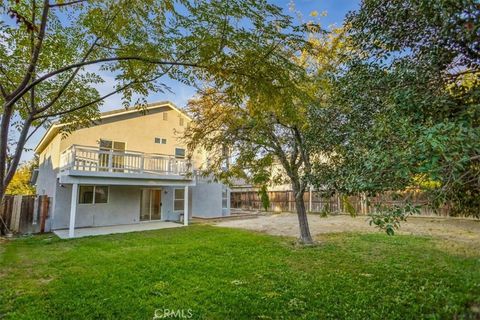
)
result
[(136, 129)]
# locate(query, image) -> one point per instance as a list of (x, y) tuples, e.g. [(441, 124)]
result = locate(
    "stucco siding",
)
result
[(138, 130), (123, 207), (207, 200), (48, 169)]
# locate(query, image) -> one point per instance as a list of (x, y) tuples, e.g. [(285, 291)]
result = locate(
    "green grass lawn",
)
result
[(232, 274)]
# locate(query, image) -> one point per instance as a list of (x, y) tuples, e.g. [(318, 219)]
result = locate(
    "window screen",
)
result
[(160, 140), (86, 194), (179, 153), (224, 198), (101, 194), (93, 194), (178, 199)]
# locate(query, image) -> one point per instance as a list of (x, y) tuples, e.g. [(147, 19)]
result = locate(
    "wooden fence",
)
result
[(23, 214), (315, 202)]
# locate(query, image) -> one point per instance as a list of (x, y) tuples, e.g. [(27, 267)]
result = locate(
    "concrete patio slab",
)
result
[(97, 231)]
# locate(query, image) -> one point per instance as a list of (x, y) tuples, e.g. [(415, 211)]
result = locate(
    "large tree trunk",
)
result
[(305, 235)]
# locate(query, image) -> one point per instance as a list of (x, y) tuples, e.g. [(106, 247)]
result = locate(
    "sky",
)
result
[(335, 14)]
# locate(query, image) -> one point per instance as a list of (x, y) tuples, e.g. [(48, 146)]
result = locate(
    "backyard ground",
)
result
[(222, 273), (454, 231)]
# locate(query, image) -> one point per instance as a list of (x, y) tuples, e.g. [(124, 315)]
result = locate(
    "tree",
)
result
[(49, 59), (264, 123), (405, 111), (261, 134), (20, 184)]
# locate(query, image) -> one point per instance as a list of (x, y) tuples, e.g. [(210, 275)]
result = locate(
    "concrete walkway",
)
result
[(123, 228)]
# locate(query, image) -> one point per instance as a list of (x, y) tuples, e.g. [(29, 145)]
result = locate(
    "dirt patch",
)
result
[(286, 224)]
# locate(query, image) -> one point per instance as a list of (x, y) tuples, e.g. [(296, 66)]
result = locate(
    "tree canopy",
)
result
[(51, 52), (20, 184), (404, 111), (264, 125)]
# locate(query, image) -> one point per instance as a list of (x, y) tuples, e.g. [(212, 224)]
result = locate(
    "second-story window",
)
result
[(181, 121), (179, 153), (117, 160), (165, 116), (160, 140)]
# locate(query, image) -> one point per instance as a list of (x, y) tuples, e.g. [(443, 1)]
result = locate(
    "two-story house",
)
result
[(129, 167)]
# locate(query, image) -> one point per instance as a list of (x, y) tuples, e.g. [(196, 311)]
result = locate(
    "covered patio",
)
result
[(121, 208), (123, 228)]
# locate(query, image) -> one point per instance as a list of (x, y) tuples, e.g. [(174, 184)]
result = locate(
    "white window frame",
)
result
[(182, 199), (225, 190), (113, 143), (161, 140), (184, 153), (93, 198)]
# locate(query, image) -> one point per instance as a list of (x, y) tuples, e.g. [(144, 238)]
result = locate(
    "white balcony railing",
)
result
[(83, 158)]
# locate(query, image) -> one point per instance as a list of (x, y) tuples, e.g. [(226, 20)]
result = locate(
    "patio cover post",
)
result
[(185, 207), (73, 210)]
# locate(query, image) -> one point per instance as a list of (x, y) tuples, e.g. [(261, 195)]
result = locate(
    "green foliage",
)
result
[(389, 217), (404, 112), (326, 210), (262, 119), (50, 59), (347, 206), (20, 184), (264, 197), (224, 273)]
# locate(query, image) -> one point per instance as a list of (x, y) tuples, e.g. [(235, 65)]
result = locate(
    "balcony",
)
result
[(85, 160)]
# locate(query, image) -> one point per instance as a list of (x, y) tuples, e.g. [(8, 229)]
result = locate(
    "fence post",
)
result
[(16, 213), (339, 204), (36, 208), (364, 203), (310, 199), (288, 200), (43, 212)]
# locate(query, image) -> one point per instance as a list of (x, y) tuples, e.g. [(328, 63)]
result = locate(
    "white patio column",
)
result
[(185, 207), (73, 210)]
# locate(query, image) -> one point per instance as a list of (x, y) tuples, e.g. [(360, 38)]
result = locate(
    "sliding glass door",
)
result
[(151, 205)]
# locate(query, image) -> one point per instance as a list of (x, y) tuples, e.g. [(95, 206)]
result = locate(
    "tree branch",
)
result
[(86, 63), (75, 72), (56, 5), (36, 128), (45, 116), (35, 56), (18, 151), (2, 91)]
